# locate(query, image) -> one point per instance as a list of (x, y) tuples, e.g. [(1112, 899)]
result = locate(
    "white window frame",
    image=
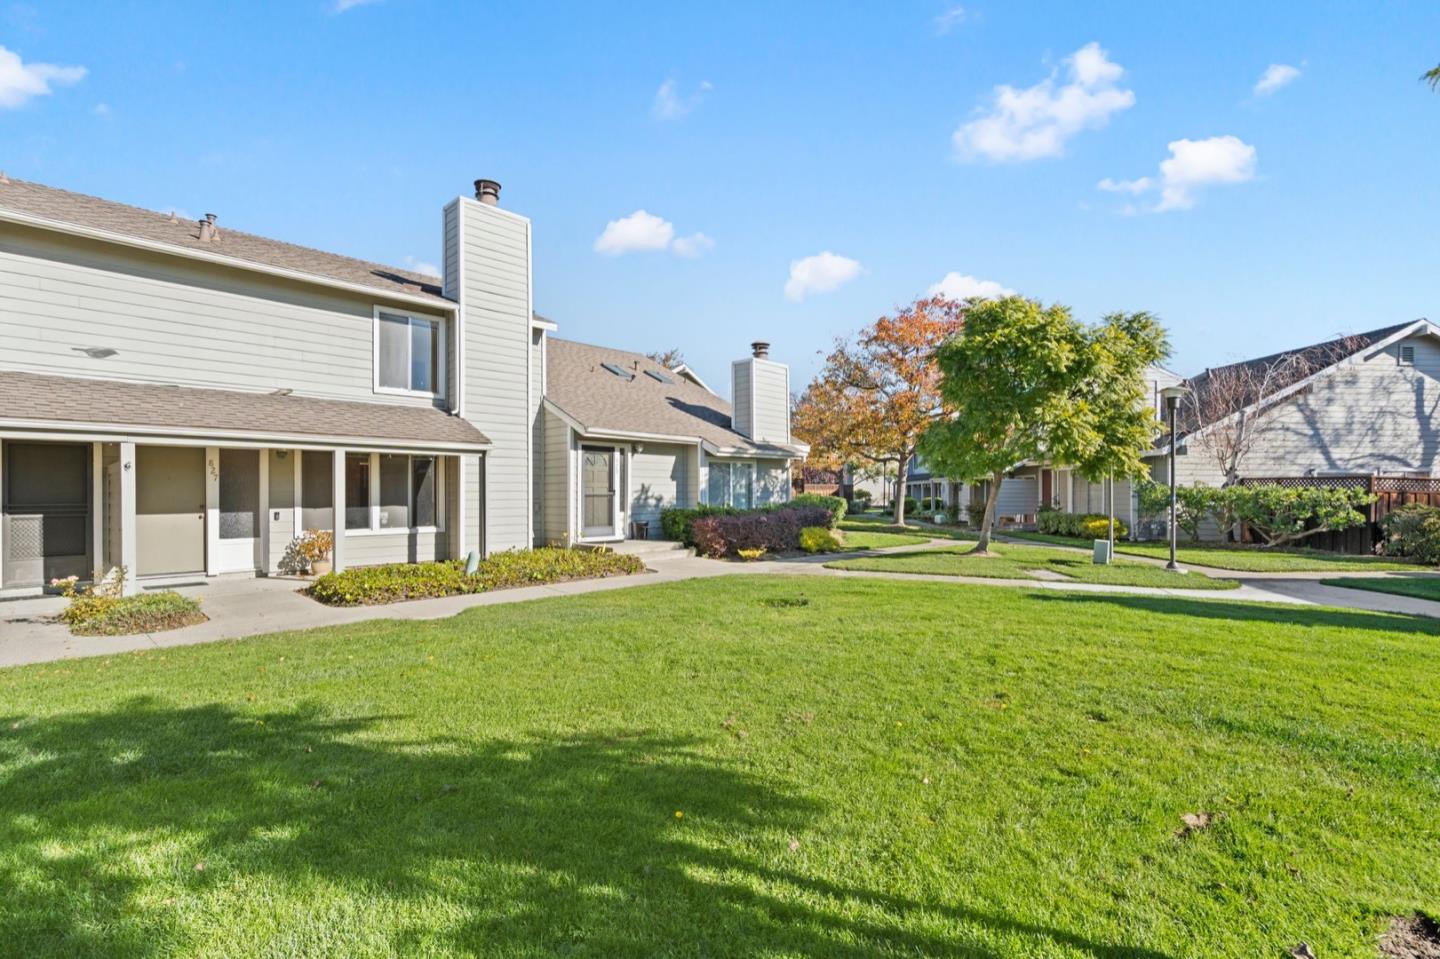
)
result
[(441, 360), (732, 463), (375, 529)]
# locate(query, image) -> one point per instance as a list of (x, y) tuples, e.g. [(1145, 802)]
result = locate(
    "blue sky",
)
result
[(762, 136)]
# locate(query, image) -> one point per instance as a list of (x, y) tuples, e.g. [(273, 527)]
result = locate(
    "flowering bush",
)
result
[(305, 550), (102, 609), (818, 539), (367, 585)]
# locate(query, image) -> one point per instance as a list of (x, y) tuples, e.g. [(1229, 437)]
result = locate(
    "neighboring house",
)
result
[(1032, 486), (624, 438), (182, 399)]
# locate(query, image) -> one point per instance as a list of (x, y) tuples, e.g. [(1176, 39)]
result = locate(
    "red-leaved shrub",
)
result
[(774, 531)]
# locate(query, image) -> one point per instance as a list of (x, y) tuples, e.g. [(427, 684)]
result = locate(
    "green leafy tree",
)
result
[(1027, 382), (1432, 77), (1286, 514)]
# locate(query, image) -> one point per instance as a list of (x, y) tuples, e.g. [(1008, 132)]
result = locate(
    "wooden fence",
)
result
[(1390, 492)]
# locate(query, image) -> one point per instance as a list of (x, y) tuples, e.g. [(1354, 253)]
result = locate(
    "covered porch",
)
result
[(170, 504)]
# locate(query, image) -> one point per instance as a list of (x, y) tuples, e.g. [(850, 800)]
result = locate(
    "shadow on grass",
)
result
[(1278, 613), (547, 845)]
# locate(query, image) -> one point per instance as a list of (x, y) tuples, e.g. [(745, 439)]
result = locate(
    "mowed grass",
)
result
[(1418, 587), (1249, 559), (870, 539), (1025, 562), (739, 766), (866, 525)]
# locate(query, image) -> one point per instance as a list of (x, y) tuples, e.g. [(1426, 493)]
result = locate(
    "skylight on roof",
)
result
[(619, 371), (658, 376)]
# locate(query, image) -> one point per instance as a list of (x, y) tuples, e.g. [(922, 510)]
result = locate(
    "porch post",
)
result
[(337, 498), (128, 551), (212, 510), (458, 528), (97, 510)]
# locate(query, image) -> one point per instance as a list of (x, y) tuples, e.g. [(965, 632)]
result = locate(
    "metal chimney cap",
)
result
[(760, 350), (488, 192)]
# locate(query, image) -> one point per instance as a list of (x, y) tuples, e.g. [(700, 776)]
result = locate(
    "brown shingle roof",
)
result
[(77, 209), (118, 407), (602, 402)]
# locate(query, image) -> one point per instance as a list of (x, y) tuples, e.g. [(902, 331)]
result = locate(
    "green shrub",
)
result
[(126, 615), (1413, 531), (1078, 525), (911, 505), (368, 585), (835, 504), (1098, 527), (818, 539), (1288, 514), (676, 522)]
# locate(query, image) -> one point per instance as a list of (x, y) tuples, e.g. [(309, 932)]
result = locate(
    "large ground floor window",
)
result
[(384, 492), (730, 484)]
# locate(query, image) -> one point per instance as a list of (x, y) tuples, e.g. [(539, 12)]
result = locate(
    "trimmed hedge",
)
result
[(677, 523), (1413, 531), (1079, 525), (773, 530), (394, 582)]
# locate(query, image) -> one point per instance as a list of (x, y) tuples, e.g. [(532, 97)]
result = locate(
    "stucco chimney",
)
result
[(488, 192), (760, 350)]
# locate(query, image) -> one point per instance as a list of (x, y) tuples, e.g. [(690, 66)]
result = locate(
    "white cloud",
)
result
[(1276, 75), (1192, 164), (646, 232), (963, 286), (670, 105), (820, 273), (423, 267), (101, 109), (638, 231), (693, 246), (20, 81), (950, 19), (1136, 186), (1037, 121), (342, 5)]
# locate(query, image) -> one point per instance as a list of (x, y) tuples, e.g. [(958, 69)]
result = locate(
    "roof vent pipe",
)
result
[(488, 192), (760, 350), (207, 228)]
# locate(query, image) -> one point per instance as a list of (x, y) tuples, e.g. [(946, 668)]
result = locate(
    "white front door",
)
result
[(239, 511)]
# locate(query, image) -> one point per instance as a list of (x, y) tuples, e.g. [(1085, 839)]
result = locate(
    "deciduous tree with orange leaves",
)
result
[(878, 393)]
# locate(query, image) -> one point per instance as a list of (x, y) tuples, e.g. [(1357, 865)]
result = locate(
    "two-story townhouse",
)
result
[(182, 399)]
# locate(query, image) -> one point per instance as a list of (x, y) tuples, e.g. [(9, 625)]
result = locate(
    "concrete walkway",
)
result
[(244, 606)]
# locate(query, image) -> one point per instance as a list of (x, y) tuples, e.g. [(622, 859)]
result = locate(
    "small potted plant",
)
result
[(316, 546)]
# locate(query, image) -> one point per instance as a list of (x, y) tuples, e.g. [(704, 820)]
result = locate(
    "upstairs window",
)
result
[(408, 353)]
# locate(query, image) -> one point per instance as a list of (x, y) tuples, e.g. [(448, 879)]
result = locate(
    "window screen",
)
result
[(394, 492), (422, 490), (357, 490)]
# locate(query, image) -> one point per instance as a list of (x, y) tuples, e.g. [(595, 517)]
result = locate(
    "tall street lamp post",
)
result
[(1172, 396)]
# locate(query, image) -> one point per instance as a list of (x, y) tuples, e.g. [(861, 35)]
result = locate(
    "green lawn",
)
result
[(1022, 562), (1420, 587), (739, 766), (860, 538), (1248, 559), (884, 522)]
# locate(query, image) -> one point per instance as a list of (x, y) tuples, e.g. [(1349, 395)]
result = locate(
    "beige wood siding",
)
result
[(772, 482), (495, 300), (372, 549), (555, 490), (658, 480), (176, 321), (742, 412)]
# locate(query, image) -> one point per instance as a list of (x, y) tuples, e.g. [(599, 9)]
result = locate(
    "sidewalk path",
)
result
[(243, 606)]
